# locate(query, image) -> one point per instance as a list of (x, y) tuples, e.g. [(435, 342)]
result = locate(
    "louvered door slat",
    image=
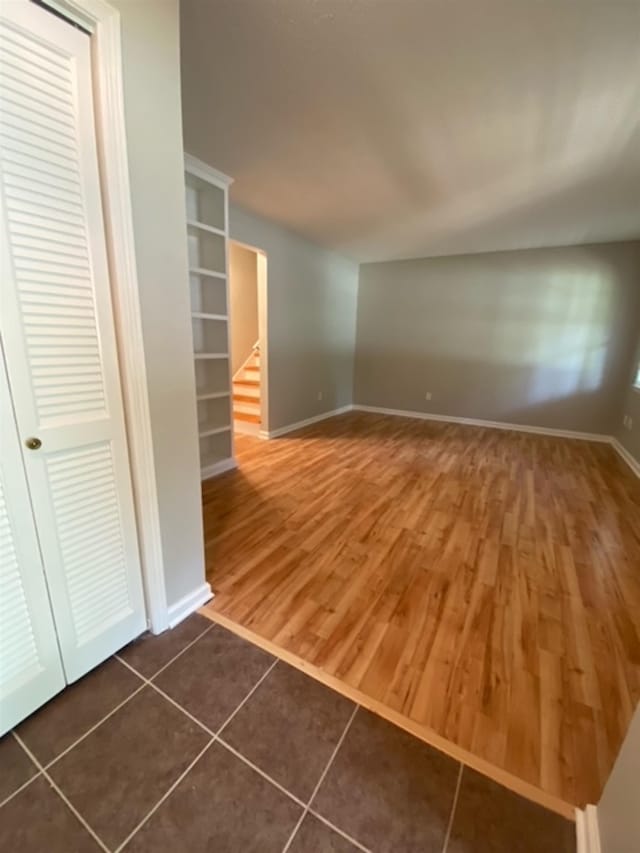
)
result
[(40, 149), (30, 664), (61, 347), (18, 163)]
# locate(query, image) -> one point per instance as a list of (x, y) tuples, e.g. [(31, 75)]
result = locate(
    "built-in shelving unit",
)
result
[(207, 235)]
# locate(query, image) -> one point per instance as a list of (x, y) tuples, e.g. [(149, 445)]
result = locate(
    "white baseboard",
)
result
[(189, 604), (628, 458), (218, 468), (587, 832), (427, 416), (314, 420)]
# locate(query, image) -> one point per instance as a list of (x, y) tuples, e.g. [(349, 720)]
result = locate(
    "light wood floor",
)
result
[(480, 587)]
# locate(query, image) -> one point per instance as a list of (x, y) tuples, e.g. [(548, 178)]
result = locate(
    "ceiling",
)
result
[(411, 128)]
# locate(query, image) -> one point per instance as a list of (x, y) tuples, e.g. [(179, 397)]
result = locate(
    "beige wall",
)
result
[(630, 439), (243, 303), (536, 337), (619, 807), (151, 61), (311, 297)]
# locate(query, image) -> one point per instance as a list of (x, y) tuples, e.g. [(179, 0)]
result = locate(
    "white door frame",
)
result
[(263, 330), (103, 22)]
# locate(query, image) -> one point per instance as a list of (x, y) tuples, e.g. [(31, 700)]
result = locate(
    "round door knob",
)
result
[(33, 443)]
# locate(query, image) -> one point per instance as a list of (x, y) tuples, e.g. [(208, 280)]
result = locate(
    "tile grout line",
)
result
[(62, 795), (320, 780), (169, 662), (93, 727), (214, 737), (337, 829), (148, 683), (145, 681), (259, 770), (247, 697), (454, 804), (166, 794), (22, 787), (334, 753), (288, 793), (186, 649)]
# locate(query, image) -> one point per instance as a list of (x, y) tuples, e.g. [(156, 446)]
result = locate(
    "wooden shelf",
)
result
[(200, 315), (203, 433), (192, 223), (202, 355), (213, 395), (206, 272)]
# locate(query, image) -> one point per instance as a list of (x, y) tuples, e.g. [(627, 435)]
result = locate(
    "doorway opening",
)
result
[(248, 339)]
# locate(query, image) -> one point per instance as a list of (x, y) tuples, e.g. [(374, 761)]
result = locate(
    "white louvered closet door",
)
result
[(30, 666), (59, 336)]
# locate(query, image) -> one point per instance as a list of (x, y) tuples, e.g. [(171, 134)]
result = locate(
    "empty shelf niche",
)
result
[(209, 336), (206, 250), (214, 414), (215, 448), (208, 294), (212, 375), (205, 202)]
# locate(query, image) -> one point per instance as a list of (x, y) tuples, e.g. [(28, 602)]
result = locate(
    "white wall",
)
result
[(151, 61), (619, 807), (311, 316)]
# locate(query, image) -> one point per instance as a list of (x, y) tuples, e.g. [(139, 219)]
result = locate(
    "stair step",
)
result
[(246, 416), (252, 367), (251, 383), (251, 406), (246, 398)]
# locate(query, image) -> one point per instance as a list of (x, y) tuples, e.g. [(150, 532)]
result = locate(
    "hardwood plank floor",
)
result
[(482, 586)]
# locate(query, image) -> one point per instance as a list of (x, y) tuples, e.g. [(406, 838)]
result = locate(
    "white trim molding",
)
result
[(188, 604), (300, 424), (622, 451), (103, 21), (206, 172), (426, 416), (218, 468), (587, 831), (263, 332)]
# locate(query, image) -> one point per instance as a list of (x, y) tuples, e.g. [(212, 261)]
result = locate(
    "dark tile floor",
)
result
[(197, 740)]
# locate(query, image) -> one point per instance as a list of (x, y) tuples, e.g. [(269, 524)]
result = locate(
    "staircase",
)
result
[(246, 394)]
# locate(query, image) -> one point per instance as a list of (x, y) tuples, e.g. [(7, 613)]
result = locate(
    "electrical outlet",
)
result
[(427, 396), (319, 395), (627, 422)]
